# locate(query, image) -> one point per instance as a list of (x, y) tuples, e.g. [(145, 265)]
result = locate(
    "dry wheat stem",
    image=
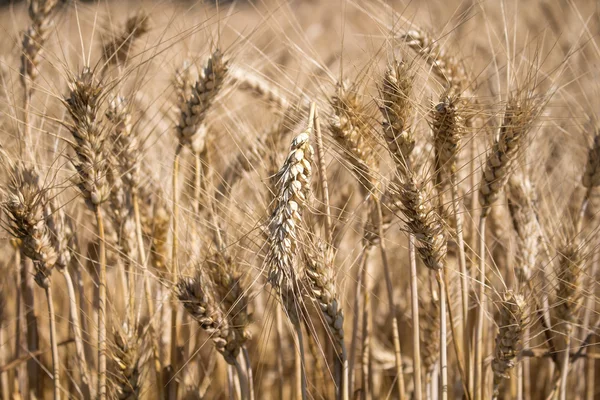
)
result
[(76, 328), (171, 389), (414, 294), (148, 294), (102, 388), (443, 335), (367, 330), (392, 305), (53, 345), (479, 366), (362, 261)]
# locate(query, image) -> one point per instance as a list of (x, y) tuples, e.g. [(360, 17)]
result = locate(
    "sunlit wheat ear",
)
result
[(159, 247), (263, 90), (320, 275), (129, 358), (118, 48), (445, 66), (397, 110), (448, 130), (521, 202), (183, 82), (293, 188), (568, 289), (25, 207), (414, 200), (512, 324), (197, 296), (232, 294), (190, 130), (34, 38), (90, 145), (126, 146), (349, 127), (519, 113)]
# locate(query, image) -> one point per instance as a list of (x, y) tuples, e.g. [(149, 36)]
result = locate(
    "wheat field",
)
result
[(299, 199)]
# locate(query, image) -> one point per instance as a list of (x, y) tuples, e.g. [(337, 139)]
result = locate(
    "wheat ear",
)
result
[(591, 178), (34, 39), (197, 296), (191, 133), (568, 295), (292, 188), (444, 65), (116, 49), (26, 206), (127, 161), (519, 113), (349, 127), (509, 338), (321, 281), (233, 301), (397, 110), (129, 359), (92, 165)]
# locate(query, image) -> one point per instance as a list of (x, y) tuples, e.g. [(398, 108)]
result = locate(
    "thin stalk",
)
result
[(474, 208), (174, 273), (443, 335), (356, 308), (590, 375), (478, 364), (197, 181), (300, 372), (129, 280), (462, 258), (76, 328), (582, 369), (34, 375), (24, 140), (55, 359), (248, 373), (395, 333), (101, 308), (19, 381), (345, 391), (366, 333), (148, 295), (414, 293), (564, 371), (242, 380), (458, 351), (230, 385), (279, 327), (3, 375)]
